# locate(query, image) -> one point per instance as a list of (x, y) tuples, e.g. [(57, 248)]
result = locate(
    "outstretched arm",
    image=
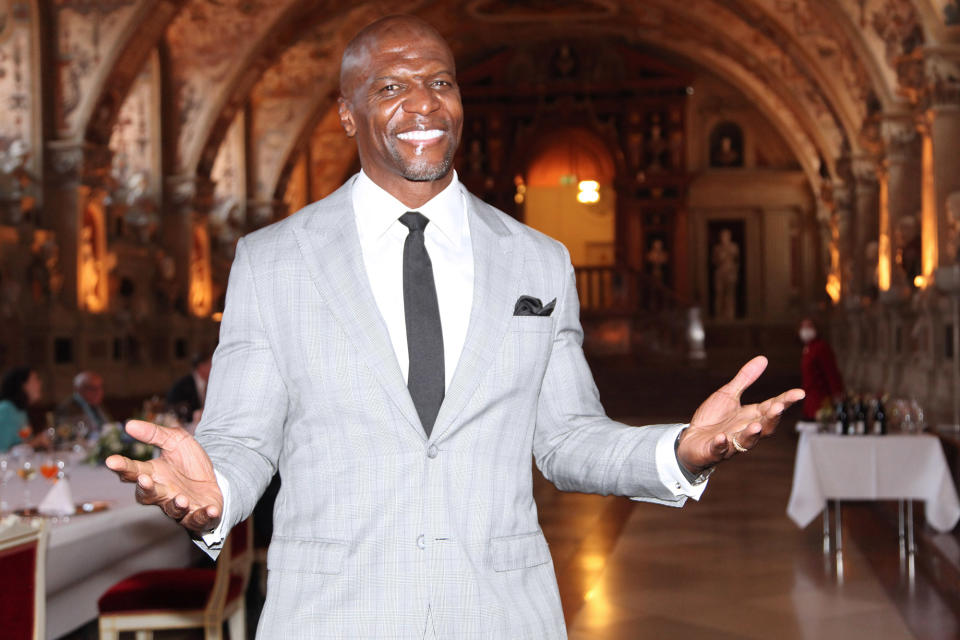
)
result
[(722, 427), (180, 481)]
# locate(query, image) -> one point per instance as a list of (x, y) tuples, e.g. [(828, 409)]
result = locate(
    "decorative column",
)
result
[(942, 69), (185, 238), (900, 186), (842, 249), (74, 184), (866, 224)]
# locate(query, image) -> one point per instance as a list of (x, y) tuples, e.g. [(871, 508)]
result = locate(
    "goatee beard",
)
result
[(422, 170)]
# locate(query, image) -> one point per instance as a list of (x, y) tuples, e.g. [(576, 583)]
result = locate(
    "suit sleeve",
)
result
[(243, 420), (576, 446)]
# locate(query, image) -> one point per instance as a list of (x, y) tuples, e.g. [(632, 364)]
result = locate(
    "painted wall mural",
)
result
[(208, 42), (135, 164), (87, 34), (229, 174)]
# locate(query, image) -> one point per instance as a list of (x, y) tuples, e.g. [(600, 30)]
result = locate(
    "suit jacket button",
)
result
[(421, 542), (433, 452)]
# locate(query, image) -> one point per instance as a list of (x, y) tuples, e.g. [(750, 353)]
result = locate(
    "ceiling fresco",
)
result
[(821, 70)]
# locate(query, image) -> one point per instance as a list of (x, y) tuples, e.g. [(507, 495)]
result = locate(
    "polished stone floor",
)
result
[(732, 565)]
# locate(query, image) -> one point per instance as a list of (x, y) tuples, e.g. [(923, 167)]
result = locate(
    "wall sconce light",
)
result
[(588, 192)]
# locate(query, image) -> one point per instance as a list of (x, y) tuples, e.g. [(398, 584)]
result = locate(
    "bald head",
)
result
[(399, 99), (390, 28)]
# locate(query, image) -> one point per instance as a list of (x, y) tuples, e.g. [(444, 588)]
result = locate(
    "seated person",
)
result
[(84, 411), (21, 387), (187, 394)]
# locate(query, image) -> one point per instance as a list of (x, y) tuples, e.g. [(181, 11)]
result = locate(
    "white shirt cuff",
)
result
[(668, 467), (213, 540)]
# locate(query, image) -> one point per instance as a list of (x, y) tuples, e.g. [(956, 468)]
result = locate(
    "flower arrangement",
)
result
[(114, 440)]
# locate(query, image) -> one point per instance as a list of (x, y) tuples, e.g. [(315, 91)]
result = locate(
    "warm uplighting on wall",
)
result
[(929, 251), (883, 246), (588, 192), (216, 316), (833, 287), (201, 285), (920, 282)]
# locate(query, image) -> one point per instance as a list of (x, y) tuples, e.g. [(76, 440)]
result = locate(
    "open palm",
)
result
[(721, 421), (180, 481)]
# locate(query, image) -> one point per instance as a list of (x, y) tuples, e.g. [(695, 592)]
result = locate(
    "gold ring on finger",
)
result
[(736, 444)]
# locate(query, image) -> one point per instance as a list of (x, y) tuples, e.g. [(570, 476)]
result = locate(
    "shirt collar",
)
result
[(377, 210)]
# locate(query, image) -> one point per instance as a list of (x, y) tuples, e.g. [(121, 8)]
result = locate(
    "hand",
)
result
[(180, 481), (709, 438)]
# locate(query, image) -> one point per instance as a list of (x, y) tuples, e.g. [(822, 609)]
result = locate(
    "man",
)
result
[(820, 377), (400, 377), (187, 394), (85, 406)]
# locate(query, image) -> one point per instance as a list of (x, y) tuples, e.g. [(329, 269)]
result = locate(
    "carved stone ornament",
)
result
[(82, 161), (942, 70), (864, 170), (899, 135), (190, 191)]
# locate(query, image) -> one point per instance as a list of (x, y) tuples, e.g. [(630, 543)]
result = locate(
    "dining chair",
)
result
[(184, 598), (22, 591)]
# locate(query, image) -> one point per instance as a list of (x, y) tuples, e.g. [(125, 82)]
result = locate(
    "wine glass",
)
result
[(51, 468), (26, 472), (6, 471)]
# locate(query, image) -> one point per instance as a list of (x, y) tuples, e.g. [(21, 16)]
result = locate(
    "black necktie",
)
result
[(422, 314)]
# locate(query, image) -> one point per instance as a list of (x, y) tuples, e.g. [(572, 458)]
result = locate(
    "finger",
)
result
[(747, 375), (749, 437), (202, 520), (163, 437), (128, 470), (177, 508)]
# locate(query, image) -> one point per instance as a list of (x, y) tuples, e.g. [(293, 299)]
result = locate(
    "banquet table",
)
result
[(87, 553), (890, 467)]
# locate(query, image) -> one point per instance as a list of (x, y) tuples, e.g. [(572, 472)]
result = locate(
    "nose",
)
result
[(421, 99)]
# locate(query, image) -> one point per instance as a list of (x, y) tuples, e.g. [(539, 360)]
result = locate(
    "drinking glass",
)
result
[(27, 471), (6, 471)]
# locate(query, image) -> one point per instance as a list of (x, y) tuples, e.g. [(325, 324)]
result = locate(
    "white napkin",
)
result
[(59, 500)]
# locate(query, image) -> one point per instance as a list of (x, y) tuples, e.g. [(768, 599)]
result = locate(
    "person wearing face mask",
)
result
[(818, 367)]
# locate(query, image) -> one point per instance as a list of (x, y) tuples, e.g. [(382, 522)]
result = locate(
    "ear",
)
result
[(346, 117)]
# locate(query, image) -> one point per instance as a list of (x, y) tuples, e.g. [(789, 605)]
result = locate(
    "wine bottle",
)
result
[(880, 418)]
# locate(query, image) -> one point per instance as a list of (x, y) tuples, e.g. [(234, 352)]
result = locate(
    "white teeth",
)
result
[(429, 134)]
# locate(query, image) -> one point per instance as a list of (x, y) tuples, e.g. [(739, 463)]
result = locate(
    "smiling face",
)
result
[(400, 99)]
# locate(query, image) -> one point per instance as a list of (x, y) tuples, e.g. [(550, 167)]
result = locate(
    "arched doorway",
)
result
[(570, 195)]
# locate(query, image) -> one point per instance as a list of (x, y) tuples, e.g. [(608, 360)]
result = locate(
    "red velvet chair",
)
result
[(22, 593), (184, 598)]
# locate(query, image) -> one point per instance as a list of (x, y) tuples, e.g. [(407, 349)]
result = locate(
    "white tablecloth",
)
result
[(90, 552), (891, 467)]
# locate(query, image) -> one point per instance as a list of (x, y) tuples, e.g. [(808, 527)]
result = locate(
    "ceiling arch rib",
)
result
[(90, 40), (301, 81), (96, 117), (213, 48), (299, 18), (819, 51), (705, 24), (751, 76)]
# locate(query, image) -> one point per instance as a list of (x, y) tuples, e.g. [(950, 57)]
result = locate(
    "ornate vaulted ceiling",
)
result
[(822, 71)]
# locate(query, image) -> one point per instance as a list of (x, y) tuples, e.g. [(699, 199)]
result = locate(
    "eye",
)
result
[(442, 83)]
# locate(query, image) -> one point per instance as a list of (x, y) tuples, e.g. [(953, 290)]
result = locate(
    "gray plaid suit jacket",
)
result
[(375, 523)]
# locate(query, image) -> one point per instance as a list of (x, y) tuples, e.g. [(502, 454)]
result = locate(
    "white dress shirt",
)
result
[(447, 239)]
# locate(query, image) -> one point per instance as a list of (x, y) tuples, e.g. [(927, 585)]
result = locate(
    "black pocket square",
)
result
[(530, 306)]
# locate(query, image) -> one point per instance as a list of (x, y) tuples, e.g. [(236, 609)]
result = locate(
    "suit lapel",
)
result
[(497, 264), (330, 246)]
